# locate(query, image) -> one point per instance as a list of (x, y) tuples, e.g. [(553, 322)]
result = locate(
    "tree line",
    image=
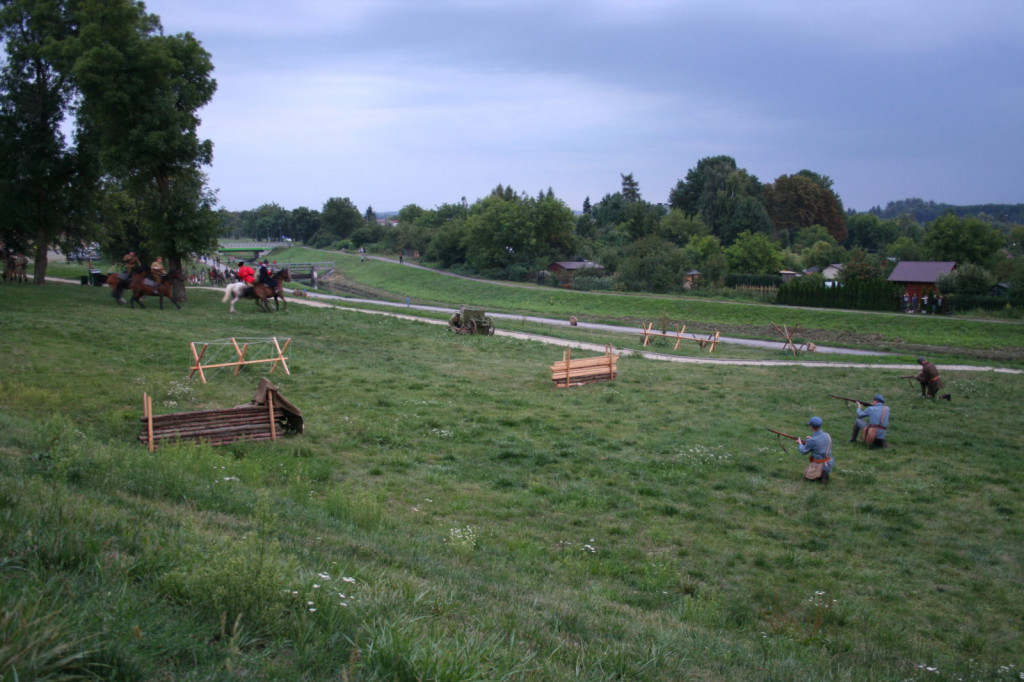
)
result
[(719, 222)]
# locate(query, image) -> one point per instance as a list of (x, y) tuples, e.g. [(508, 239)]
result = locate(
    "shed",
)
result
[(919, 277), (565, 270)]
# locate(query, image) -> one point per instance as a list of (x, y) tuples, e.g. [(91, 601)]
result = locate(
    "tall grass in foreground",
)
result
[(449, 515)]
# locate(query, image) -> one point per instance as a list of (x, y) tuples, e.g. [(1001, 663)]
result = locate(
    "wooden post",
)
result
[(147, 409), (241, 355), (270, 407), (280, 356), (198, 357)]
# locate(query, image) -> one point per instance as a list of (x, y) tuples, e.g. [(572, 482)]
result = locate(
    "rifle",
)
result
[(782, 435), (912, 378), (850, 400)]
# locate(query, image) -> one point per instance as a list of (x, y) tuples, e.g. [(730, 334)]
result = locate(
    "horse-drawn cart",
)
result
[(471, 321)]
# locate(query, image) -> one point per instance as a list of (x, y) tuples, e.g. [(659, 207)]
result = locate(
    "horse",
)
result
[(16, 268), (260, 292), (280, 277), (142, 286)]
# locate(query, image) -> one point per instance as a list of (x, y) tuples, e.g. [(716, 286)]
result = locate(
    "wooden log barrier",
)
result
[(268, 415), (570, 371)]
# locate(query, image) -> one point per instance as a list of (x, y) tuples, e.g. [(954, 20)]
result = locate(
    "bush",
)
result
[(592, 283), (873, 294), (736, 280)]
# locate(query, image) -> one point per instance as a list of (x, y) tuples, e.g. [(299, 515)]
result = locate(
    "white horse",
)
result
[(236, 291)]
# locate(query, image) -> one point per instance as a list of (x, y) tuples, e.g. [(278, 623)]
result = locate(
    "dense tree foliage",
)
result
[(46, 182), (797, 201), (728, 199), (971, 240), (135, 93)]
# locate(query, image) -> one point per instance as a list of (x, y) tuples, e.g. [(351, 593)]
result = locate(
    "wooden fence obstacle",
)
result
[(268, 415), (277, 355), (570, 371), (709, 342), (788, 334)]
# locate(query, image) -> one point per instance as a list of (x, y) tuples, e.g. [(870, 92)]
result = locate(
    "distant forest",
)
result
[(927, 211)]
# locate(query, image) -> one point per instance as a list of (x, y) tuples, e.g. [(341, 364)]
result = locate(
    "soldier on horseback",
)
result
[(130, 265), (157, 271)]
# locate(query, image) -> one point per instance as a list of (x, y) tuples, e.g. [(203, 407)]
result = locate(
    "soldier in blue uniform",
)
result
[(875, 419), (818, 448)]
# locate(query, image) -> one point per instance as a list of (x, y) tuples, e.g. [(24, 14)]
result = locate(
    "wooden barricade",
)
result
[(570, 371), (278, 357), (708, 342), (265, 418)]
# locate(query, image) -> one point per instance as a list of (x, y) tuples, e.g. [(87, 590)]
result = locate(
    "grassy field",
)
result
[(449, 515)]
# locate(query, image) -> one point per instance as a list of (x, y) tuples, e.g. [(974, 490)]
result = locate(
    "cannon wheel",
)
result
[(469, 327)]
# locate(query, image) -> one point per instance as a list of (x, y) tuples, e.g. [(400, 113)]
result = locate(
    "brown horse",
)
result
[(141, 285), (280, 277)]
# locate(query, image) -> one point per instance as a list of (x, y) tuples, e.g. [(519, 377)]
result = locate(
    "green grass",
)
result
[(479, 522)]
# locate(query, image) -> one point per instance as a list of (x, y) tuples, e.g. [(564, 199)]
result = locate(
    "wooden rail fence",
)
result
[(709, 342)]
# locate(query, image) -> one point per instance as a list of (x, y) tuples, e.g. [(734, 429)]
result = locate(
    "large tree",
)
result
[(339, 218), (728, 199), (797, 201), (46, 183), (141, 93), (963, 240), (754, 254)]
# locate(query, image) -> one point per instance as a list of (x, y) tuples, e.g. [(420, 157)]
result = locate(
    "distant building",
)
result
[(566, 270), (919, 277), (829, 272)]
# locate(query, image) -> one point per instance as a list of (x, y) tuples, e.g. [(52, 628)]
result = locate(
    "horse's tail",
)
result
[(227, 294)]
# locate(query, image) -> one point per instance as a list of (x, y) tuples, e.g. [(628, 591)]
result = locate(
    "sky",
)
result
[(427, 102)]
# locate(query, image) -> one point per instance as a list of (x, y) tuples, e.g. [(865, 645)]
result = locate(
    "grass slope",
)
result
[(449, 515)]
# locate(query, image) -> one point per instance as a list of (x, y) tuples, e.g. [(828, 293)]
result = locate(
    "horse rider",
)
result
[(266, 275), (157, 271), (130, 264), (245, 273)]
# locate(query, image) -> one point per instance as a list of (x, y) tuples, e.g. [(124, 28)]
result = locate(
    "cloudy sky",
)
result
[(392, 102)]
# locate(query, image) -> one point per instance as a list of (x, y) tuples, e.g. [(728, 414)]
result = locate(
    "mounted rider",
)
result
[(266, 275), (157, 271), (130, 264), (245, 273)]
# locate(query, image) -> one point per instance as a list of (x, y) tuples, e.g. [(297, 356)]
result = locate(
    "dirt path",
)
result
[(323, 301)]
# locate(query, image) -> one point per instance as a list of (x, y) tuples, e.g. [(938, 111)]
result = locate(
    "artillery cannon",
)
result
[(471, 321)]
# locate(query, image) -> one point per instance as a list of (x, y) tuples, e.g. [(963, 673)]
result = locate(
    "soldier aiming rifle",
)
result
[(818, 448)]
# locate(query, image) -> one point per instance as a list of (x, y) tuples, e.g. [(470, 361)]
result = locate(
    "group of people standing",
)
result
[(925, 304), (872, 419)]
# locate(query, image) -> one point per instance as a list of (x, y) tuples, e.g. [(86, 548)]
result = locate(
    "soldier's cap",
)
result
[(814, 421), (879, 398), (920, 358)]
